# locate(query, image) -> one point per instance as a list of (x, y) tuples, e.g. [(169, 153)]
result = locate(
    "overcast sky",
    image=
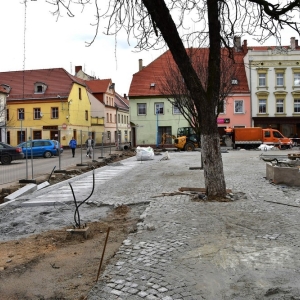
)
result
[(61, 44)]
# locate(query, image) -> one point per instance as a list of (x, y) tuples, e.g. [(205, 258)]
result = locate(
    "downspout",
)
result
[(250, 60)]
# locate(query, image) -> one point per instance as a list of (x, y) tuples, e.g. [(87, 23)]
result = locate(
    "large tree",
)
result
[(215, 22)]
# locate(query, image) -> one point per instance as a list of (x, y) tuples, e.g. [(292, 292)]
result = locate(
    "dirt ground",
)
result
[(58, 264)]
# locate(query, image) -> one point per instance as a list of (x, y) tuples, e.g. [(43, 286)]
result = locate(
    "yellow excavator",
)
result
[(186, 139)]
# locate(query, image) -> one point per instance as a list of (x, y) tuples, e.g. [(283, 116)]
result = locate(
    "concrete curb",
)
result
[(27, 189)]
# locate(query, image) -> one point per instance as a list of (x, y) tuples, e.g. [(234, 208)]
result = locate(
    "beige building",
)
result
[(273, 75)]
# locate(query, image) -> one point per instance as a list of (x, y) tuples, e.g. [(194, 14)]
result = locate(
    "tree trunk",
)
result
[(213, 166), (205, 101)]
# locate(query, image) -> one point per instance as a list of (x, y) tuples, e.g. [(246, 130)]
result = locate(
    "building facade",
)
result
[(152, 114), (48, 104), (273, 75)]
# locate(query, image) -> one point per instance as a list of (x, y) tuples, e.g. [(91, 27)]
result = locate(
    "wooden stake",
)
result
[(108, 229)]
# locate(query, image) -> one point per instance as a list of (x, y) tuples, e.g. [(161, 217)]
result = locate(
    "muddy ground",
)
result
[(58, 264)]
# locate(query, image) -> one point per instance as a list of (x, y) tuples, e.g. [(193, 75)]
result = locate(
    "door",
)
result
[(272, 137), (54, 135), (165, 130), (38, 148)]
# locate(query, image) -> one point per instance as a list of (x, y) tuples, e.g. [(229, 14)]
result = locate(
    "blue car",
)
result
[(41, 148)]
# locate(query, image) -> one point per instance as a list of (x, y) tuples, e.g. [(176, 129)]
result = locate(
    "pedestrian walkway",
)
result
[(81, 185)]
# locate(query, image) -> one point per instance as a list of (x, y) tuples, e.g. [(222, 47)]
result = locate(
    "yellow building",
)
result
[(48, 104)]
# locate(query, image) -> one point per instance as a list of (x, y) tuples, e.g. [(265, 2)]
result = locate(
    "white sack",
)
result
[(144, 153), (264, 147)]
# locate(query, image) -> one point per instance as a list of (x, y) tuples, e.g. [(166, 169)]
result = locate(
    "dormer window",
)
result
[(234, 81), (152, 85), (40, 88)]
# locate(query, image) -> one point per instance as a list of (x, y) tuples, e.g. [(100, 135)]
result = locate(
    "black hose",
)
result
[(76, 213)]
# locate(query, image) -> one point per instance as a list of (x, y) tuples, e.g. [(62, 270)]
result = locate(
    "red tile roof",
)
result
[(121, 102), (155, 73), (98, 85), (58, 81)]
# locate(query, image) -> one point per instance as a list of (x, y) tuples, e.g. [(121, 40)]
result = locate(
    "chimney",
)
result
[(245, 46), (237, 43), (125, 96), (293, 43), (77, 69), (140, 64)]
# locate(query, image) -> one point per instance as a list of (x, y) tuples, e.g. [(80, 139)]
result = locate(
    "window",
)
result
[(110, 118), (122, 119), (79, 93), (86, 115), (21, 114), (36, 113), (279, 106), (297, 105), (40, 87), (127, 119), (37, 134), (262, 106), (159, 108), (7, 114), (142, 108), (277, 135), (279, 79), (297, 79), (239, 106), (107, 119), (279, 75), (54, 112), (118, 118), (176, 110), (262, 79)]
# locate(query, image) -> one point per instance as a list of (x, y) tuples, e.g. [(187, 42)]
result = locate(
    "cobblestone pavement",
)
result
[(244, 249), (247, 248)]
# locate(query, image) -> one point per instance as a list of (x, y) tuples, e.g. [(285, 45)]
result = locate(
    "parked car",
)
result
[(9, 153), (41, 148)]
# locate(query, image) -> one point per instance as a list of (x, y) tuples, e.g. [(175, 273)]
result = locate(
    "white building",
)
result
[(273, 75)]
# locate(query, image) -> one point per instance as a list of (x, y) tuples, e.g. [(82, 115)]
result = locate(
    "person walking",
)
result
[(89, 147), (73, 145)]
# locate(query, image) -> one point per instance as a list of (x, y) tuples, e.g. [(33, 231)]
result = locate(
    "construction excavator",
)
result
[(186, 139)]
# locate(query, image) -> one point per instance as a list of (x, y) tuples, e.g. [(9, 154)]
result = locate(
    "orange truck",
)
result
[(253, 137)]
